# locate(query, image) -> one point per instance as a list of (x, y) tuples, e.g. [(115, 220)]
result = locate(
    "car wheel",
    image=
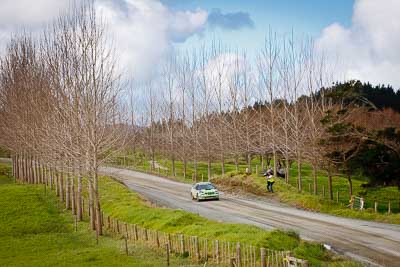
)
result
[(197, 198), (191, 194)]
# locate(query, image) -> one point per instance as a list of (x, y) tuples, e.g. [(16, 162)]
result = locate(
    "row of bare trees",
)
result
[(214, 104), (59, 110)]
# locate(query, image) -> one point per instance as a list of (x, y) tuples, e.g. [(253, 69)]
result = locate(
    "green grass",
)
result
[(381, 194), (35, 231), (120, 202)]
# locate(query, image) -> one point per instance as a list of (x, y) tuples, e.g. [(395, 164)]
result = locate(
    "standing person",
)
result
[(270, 182)]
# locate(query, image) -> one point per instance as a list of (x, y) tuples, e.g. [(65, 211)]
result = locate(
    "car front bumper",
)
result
[(214, 196)]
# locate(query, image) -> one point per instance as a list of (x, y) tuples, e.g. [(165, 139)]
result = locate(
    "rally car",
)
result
[(203, 191)]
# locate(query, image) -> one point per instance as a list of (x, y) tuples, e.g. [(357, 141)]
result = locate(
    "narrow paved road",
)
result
[(375, 244)]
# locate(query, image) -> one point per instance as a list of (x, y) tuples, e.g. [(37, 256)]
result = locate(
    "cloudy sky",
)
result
[(363, 34)]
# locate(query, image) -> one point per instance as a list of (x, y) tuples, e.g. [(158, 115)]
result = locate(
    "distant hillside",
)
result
[(379, 97)]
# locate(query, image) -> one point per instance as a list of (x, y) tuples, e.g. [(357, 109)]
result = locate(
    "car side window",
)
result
[(196, 187)]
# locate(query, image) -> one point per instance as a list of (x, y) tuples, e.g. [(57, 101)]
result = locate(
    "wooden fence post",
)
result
[(167, 248), (182, 241), (206, 250), (196, 248), (389, 208), (126, 231), (323, 191), (217, 251), (337, 196), (169, 242), (126, 244), (157, 239), (238, 255), (135, 232), (376, 206), (263, 259)]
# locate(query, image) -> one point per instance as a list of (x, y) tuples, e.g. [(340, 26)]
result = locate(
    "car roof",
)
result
[(200, 183)]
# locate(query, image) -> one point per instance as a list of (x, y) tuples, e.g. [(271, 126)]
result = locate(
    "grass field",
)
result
[(290, 194), (35, 231)]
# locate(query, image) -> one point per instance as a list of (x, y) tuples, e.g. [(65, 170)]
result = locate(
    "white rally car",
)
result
[(203, 191)]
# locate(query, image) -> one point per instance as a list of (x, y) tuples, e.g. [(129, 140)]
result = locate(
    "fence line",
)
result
[(199, 249)]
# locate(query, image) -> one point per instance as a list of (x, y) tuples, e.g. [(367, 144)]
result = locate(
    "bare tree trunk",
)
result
[(20, 168), (287, 171), (249, 162), (330, 189), (57, 183), (79, 198), (275, 160), (34, 171), (315, 185), (350, 184), (262, 162), (67, 193), (15, 173), (30, 170), (209, 168), (222, 164), (195, 168), (91, 205), (61, 182), (73, 196), (40, 171), (51, 176), (236, 163), (13, 166), (99, 224), (173, 165), (184, 167), (299, 180), (25, 169)]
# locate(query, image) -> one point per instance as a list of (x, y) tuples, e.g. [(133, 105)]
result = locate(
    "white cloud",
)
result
[(143, 31), (369, 48), (17, 13)]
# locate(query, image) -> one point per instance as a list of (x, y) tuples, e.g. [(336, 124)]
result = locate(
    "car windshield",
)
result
[(205, 186)]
